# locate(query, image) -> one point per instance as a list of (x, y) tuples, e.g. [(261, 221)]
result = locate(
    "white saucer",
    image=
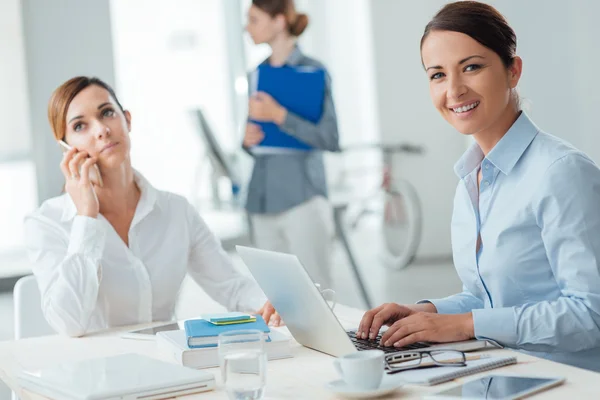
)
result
[(340, 387)]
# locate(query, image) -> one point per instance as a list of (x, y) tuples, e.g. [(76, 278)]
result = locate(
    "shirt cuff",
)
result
[(444, 306), (88, 236), (292, 123), (498, 324), (256, 301)]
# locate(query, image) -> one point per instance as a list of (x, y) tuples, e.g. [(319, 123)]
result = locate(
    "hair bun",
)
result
[(299, 25)]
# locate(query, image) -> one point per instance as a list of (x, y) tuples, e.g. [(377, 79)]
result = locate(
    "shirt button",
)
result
[(487, 183), (487, 166)]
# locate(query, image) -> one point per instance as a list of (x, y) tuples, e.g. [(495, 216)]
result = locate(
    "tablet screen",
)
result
[(498, 387), (153, 331)]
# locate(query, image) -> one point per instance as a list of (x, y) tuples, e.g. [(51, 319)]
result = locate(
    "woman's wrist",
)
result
[(88, 213), (468, 325), (280, 115), (424, 307)]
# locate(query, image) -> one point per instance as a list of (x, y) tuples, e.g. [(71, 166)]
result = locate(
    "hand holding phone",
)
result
[(76, 166), (94, 174)]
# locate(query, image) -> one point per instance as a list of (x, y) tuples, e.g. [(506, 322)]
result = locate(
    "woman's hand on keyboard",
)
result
[(385, 314), (429, 327)]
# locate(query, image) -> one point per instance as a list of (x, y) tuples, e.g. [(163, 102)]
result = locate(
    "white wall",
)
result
[(406, 115), (63, 39), (558, 42)]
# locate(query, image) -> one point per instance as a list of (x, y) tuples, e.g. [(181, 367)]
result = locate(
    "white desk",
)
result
[(301, 377)]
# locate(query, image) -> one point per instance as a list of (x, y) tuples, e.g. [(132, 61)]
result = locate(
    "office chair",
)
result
[(29, 319)]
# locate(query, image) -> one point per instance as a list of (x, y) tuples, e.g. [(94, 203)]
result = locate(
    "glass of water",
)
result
[(243, 363)]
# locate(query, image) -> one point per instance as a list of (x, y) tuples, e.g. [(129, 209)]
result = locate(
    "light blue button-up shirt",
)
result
[(534, 284)]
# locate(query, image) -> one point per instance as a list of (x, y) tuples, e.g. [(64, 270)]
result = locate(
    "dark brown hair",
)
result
[(63, 96), (481, 22), (296, 22)]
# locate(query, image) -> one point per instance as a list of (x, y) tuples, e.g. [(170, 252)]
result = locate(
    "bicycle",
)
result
[(395, 204)]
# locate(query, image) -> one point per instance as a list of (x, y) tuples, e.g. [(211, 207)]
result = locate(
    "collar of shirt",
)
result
[(148, 200), (293, 59), (505, 154)]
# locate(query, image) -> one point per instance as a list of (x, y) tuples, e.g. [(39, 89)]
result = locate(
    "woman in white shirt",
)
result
[(114, 251)]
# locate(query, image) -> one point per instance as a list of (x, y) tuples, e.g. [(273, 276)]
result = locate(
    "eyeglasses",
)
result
[(403, 360)]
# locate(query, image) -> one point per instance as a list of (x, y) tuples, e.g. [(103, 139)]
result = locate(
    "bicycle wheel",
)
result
[(387, 224), (402, 223)]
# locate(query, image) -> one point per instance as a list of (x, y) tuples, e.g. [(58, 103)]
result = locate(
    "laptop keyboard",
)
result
[(373, 344)]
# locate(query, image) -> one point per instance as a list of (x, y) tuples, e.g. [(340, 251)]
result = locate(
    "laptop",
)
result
[(126, 376), (308, 316)]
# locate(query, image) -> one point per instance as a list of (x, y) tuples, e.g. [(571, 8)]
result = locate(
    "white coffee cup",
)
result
[(362, 370)]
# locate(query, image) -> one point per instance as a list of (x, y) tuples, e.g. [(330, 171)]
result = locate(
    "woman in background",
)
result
[(287, 195), (116, 254), (526, 213)]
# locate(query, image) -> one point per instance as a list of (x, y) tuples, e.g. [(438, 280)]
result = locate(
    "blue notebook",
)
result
[(301, 90), (201, 333)]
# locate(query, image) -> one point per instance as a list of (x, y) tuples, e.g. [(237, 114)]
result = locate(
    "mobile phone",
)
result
[(95, 175)]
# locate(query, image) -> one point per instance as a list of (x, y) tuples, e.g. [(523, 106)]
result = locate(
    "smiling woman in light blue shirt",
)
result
[(526, 219)]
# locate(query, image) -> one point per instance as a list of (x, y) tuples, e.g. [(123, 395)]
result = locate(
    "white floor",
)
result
[(418, 281)]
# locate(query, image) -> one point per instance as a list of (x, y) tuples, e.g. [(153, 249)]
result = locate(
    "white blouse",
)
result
[(90, 280)]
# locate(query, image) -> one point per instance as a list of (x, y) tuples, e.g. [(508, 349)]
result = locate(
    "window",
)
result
[(19, 196), (173, 57), (17, 171)]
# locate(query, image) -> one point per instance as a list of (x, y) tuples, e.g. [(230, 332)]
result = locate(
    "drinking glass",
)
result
[(243, 363)]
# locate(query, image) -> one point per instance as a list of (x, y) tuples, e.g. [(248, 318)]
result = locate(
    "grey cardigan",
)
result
[(282, 181)]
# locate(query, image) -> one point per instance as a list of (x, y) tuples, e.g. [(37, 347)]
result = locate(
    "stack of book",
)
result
[(205, 333), (196, 345)]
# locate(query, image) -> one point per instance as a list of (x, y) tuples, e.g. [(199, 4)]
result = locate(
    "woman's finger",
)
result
[(85, 170), (64, 167), (254, 128), (64, 164), (262, 96), (257, 138), (383, 316), (74, 164), (407, 321), (276, 319), (421, 336), (268, 311), (398, 332), (365, 323)]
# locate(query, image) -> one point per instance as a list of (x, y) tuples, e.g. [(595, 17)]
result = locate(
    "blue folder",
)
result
[(301, 90), (201, 333)]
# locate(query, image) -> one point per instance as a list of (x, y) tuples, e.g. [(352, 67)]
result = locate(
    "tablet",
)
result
[(498, 387), (150, 333)]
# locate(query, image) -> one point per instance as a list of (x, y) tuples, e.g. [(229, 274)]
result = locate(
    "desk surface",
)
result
[(302, 377)]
